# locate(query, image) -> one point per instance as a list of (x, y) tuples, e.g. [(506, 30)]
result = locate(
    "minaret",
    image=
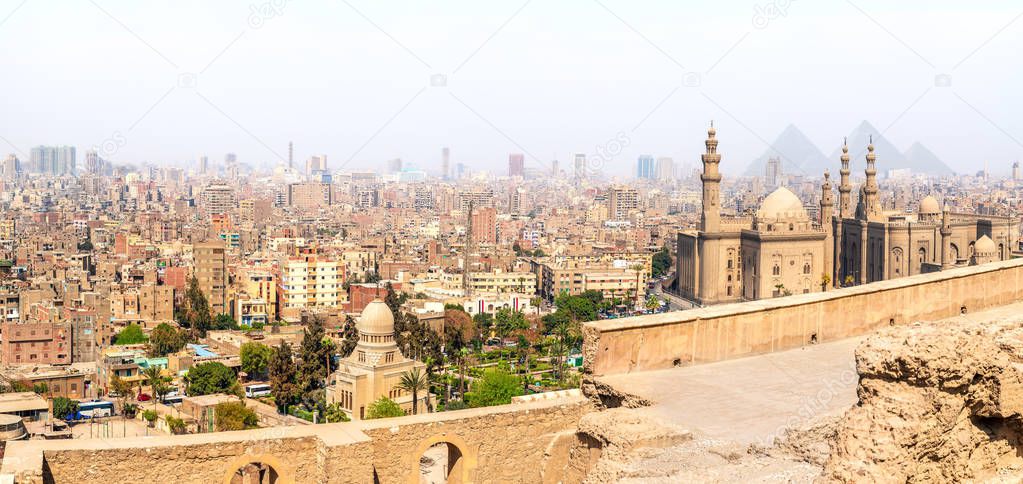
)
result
[(844, 187), (827, 212), (872, 205), (710, 221), (946, 240), (291, 155)]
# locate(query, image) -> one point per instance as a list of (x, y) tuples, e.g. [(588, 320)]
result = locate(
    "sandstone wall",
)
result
[(498, 444), (744, 329)]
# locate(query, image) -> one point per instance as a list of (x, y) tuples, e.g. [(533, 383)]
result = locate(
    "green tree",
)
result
[(496, 387), (154, 378), (174, 424), (234, 416), (508, 321), (166, 339), (314, 356), (211, 377), (255, 358), (283, 378), (195, 314), (64, 408), (384, 407), (350, 335), (224, 322), (131, 335), (484, 321), (414, 382), (334, 413), (661, 262), (652, 302)]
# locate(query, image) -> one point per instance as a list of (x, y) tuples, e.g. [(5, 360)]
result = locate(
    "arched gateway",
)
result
[(461, 459)]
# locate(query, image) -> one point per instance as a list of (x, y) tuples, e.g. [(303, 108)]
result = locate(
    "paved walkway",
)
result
[(751, 400)]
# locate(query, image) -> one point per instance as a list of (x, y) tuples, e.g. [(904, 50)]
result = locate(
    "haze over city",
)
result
[(566, 241), (352, 79)]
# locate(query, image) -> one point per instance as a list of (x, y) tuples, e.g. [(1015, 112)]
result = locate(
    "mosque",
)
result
[(780, 250), (375, 367)]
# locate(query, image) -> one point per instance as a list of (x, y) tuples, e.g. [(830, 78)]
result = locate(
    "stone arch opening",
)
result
[(258, 469), (443, 458)]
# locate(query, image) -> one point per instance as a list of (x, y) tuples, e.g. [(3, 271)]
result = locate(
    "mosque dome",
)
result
[(985, 245), (376, 319), (782, 204), (929, 206)]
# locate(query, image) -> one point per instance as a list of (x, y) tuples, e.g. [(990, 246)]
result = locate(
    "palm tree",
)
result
[(413, 381), (463, 359), (639, 270)]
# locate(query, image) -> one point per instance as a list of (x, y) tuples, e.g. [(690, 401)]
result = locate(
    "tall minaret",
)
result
[(710, 221), (946, 240), (827, 212), (844, 187), (872, 204), (291, 155)]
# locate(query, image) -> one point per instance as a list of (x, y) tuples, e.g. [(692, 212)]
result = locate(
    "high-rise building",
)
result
[(445, 163), (1015, 171), (665, 169), (772, 173), (459, 171), (291, 155), (554, 168), (204, 164), (645, 167), (310, 281), (580, 166), (217, 198), (53, 160), (316, 164), (230, 158), (394, 166), (621, 201), (479, 196), (11, 168), (484, 225), (309, 195), (515, 201), (516, 164), (211, 272)]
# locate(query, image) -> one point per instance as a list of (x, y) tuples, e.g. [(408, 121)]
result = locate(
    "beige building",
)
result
[(621, 201), (310, 281), (211, 271), (374, 369), (621, 276), (781, 250)]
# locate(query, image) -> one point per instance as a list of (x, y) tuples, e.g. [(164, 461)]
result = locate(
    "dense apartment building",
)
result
[(35, 344), (309, 195), (310, 281), (622, 276), (211, 272)]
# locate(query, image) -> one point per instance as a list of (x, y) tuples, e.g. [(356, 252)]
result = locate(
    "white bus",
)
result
[(258, 390)]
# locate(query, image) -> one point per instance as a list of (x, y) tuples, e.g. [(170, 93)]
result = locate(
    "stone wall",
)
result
[(498, 444), (744, 329)]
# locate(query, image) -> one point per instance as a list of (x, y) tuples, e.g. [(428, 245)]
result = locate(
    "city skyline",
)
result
[(252, 79)]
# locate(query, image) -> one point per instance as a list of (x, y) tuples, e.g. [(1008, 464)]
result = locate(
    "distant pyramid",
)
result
[(798, 155), (923, 160), (918, 159), (888, 156)]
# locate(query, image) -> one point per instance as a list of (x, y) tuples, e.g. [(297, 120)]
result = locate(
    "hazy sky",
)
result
[(164, 81)]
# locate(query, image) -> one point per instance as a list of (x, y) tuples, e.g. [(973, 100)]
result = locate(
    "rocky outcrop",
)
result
[(938, 402)]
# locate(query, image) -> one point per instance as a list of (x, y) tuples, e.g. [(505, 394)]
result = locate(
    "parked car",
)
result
[(144, 397)]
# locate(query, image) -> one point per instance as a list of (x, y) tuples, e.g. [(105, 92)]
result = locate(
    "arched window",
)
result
[(923, 256), (777, 270), (806, 268)]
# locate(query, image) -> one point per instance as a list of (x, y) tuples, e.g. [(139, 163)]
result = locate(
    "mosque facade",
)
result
[(781, 250)]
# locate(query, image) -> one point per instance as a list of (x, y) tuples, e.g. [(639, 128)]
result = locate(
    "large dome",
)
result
[(929, 206), (782, 204), (376, 319), (985, 245)]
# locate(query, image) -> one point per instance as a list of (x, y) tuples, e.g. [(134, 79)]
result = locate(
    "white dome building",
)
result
[(375, 367)]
